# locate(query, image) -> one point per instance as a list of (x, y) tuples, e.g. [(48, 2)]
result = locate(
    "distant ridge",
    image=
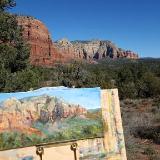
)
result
[(45, 52)]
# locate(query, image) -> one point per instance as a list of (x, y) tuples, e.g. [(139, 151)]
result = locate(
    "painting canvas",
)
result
[(49, 115), (56, 117)]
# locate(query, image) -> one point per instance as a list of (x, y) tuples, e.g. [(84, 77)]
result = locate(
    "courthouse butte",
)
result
[(45, 52)]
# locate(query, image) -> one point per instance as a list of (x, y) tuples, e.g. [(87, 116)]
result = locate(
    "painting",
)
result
[(56, 117), (49, 115)]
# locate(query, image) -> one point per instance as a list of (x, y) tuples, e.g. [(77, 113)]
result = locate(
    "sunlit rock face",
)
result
[(45, 52)]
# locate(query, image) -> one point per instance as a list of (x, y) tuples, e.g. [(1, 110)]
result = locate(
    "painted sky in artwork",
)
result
[(87, 97)]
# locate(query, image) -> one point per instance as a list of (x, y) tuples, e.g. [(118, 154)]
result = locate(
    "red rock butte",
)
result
[(45, 52)]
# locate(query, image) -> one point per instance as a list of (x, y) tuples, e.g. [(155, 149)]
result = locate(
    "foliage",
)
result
[(68, 129), (16, 139), (6, 4), (134, 79), (25, 79), (74, 128), (14, 52), (149, 133)]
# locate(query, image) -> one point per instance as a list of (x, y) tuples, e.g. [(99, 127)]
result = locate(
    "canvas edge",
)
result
[(113, 135)]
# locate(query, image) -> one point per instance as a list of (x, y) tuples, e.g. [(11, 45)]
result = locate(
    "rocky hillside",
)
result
[(45, 52), (95, 50), (21, 114)]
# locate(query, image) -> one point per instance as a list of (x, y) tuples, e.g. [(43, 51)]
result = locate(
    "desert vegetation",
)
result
[(134, 78)]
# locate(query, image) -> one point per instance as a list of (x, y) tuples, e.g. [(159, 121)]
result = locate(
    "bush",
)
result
[(152, 133)]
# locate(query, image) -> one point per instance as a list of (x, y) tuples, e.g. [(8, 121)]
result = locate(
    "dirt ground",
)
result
[(141, 122)]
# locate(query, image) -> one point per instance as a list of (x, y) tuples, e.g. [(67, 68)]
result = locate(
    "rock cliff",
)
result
[(45, 52), (96, 49), (20, 115)]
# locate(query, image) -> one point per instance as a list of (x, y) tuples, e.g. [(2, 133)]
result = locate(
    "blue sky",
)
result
[(86, 97), (131, 24)]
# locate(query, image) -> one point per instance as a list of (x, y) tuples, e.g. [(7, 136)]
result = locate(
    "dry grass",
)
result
[(141, 122)]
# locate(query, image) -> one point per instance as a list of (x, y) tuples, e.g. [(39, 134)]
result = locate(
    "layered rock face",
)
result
[(45, 52), (37, 35), (21, 114), (94, 50)]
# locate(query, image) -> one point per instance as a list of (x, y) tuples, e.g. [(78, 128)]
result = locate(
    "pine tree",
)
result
[(14, 52)]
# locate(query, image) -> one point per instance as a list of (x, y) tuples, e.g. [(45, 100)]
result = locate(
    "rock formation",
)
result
[(45, 52), (94, 50), (20, 115)]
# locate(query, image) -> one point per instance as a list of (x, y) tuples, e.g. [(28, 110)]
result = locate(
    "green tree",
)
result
[(6, 4), (14, 52), (22, 81), (125, 83), (152, 85)]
